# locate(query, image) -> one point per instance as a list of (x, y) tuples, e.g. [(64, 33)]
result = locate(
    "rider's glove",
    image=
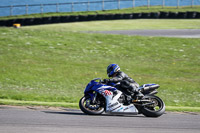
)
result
[(106, 81)]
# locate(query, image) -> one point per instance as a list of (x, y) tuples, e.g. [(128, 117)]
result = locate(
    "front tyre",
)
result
[(155, 109), (88, 108)]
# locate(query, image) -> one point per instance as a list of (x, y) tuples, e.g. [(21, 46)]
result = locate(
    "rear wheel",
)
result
[(155, 108), (87, 107)]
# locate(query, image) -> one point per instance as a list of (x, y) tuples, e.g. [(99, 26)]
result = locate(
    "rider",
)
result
[(126, 84)]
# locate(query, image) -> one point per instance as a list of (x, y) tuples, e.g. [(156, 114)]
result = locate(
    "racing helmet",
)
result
[(112, 69)]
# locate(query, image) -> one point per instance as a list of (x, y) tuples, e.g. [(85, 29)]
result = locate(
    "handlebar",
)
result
[(100, 80)]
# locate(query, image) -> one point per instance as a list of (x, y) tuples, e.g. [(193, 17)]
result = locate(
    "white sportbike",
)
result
[(99, 98)]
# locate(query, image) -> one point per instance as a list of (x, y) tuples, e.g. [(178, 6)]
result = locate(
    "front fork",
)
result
[(94, 98)]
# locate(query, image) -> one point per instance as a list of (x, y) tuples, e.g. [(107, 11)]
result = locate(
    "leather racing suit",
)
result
[(124, 83)]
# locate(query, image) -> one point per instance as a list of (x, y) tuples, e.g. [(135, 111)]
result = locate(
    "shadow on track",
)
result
[(67, 113), (80, 113)]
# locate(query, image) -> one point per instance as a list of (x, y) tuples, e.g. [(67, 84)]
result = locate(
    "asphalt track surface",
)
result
[(180, 33), (45, 120)]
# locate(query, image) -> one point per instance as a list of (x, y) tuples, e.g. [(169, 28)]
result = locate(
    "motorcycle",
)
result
[(100, 97)]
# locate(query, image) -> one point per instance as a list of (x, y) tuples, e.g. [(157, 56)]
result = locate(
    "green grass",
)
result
[(183, 109), (123, 25), (37, 103), (54, 63), (126, 10)]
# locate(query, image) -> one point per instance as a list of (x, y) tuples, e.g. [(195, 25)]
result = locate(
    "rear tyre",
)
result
[(88, 108), (156, 109)]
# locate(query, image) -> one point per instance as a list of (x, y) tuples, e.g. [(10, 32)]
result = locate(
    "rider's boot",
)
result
[(139, 94)]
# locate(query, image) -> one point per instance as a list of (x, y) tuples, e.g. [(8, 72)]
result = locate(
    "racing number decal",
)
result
[(106, 93)]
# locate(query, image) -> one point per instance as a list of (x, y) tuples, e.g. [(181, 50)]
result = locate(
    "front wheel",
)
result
[(88, 108), (156, 107)]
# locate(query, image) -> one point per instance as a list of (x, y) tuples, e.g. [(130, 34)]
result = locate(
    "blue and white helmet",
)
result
[(112, 69)]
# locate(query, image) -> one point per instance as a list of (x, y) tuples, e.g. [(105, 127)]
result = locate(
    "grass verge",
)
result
[(75, 105), (37, 103), (121, 25), (183, 109)]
